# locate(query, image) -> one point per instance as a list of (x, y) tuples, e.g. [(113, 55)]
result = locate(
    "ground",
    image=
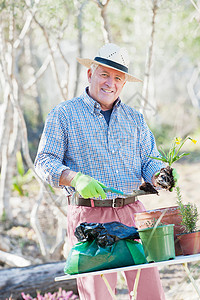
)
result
[(20, 238)]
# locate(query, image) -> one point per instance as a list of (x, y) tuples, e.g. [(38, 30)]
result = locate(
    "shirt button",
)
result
[(113, 151), (117, 171)]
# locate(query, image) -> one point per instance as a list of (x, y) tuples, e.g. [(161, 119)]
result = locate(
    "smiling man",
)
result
[(95, 141), (105, 86)]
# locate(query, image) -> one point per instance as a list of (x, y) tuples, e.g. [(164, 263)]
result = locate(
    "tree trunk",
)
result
[(31, 279), (149, 59), (105, 24), (8, 163), (5, 185), (79, 7)]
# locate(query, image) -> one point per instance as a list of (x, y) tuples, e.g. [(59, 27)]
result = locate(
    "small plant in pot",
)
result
[(189, 239)]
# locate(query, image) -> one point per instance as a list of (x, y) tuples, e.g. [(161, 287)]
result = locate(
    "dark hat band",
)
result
[(111, 64)]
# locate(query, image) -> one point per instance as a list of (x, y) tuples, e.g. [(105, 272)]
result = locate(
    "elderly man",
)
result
[(95, 141)]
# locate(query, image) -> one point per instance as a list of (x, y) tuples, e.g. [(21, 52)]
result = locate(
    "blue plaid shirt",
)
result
[(76, 136)]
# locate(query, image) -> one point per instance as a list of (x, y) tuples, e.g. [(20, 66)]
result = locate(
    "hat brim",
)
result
[(88, 62)]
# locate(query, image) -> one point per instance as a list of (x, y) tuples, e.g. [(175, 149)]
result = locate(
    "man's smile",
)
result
[(107, 91)]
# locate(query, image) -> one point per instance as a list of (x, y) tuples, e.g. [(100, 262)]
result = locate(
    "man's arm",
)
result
[(66, 177)]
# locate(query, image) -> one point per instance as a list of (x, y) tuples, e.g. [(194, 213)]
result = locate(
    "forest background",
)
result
[(39, 43)]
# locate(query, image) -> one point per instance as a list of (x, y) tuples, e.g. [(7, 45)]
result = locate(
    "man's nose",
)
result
[(110, 81)]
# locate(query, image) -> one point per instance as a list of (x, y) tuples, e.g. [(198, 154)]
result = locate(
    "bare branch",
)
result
[(52, 56), (102, 4), (25, 29), (195, 5), (79, 8), (190, 87), (65, 85), (105, 25), (27, 23), (36, 225), (14, 260), (38, 74)]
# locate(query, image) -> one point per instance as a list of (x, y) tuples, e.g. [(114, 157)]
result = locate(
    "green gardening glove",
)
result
[(175, 176), (87, 186)]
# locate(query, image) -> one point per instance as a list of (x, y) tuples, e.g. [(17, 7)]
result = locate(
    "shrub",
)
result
[(61, 295)]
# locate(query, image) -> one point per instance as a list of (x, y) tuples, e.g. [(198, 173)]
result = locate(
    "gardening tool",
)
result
[(134, 193)]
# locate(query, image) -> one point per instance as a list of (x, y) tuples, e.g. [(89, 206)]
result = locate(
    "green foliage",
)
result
[(2, 5), (3, 217), (55, 15), (51, 189), (173, 154), (162, 132), (188, 212), (22, 177)]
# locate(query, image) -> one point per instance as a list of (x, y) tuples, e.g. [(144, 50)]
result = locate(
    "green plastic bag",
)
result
[(88, 256)]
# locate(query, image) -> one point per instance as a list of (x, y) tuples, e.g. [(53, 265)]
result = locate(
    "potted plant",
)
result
[(190, 239), (168, 215)]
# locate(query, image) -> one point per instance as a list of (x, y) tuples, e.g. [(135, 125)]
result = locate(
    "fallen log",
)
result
[(14, 281)]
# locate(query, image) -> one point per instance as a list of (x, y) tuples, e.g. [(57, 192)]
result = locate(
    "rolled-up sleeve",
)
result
[(53, 144)]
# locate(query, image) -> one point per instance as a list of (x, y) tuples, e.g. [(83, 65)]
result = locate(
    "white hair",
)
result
[(93, 67)]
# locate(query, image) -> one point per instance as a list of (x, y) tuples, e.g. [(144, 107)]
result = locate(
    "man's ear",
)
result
[(89, 74), (124, 83)]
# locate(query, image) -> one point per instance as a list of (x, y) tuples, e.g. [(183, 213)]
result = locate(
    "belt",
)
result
[(117, 202)]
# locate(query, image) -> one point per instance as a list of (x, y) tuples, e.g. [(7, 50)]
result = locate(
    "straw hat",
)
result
[(111, 56)]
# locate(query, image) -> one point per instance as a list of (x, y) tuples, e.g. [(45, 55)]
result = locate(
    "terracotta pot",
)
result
[(190, 242), (171, 216)]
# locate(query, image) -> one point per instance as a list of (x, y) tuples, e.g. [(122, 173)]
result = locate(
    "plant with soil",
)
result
[(167, 177), (188, 211)]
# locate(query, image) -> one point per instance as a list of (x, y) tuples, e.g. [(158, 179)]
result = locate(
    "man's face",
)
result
[(105, 85)]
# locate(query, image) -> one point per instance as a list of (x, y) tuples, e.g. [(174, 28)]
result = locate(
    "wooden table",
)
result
[(177, 260)]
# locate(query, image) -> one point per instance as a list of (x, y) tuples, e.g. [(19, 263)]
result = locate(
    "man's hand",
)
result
[(166, 178), (87, 186)]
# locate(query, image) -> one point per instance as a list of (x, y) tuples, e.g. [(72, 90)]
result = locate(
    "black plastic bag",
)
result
[(105, 234)]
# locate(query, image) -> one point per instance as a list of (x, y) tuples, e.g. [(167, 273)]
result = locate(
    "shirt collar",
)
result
[(94, 106)]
